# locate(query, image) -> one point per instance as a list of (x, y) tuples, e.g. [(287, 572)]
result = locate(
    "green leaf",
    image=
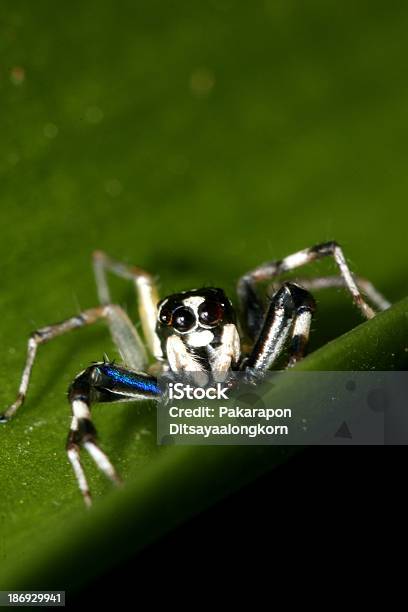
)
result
[(195, 142), (176, 482)]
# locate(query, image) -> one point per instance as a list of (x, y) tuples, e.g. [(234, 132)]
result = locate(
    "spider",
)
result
[(192, 331)]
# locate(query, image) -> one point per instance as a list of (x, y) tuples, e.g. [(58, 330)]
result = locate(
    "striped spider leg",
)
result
[(119, 384), (101, 382), (365, 286), (271, 330), (124, 336), (287, 318), (146, 291), (130, 346)]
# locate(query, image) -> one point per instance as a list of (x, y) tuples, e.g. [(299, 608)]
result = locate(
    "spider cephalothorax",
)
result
[(193, 331), (194, 327)]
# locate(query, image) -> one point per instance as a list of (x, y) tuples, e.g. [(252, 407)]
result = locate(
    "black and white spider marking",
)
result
[(190, 332)]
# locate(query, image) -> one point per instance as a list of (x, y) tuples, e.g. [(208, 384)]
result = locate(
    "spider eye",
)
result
[(183, 319), (166, 316), (210, 312)]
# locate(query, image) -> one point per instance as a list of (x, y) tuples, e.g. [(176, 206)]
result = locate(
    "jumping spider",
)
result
[(192, 331)]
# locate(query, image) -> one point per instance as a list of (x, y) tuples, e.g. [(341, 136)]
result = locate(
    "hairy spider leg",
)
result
[(252, 307), (101, 382), (122, 330), (146, 292), (288, 317)]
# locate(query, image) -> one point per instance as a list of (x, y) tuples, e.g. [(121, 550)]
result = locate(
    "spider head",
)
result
[(198, 316)]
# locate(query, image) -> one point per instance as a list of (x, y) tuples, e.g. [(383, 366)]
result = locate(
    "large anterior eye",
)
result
[(183, 319), (210, 312)]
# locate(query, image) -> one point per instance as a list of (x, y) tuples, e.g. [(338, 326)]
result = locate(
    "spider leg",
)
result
[(288, 316), (122, 335), (101, 382), (300, 332), (252, 306), (146, 292), (365, 286)]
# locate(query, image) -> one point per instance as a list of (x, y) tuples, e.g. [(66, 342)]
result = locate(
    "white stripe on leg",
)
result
[(102, 461), (300, 336), (73, 456), (80, 409)]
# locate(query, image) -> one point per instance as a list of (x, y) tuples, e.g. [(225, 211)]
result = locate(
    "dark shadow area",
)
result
[(321, 502)]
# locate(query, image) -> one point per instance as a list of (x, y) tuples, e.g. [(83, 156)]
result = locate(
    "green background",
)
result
[(195, 139)]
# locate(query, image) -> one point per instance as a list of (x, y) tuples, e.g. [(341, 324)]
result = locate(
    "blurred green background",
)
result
[(195, 139)]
